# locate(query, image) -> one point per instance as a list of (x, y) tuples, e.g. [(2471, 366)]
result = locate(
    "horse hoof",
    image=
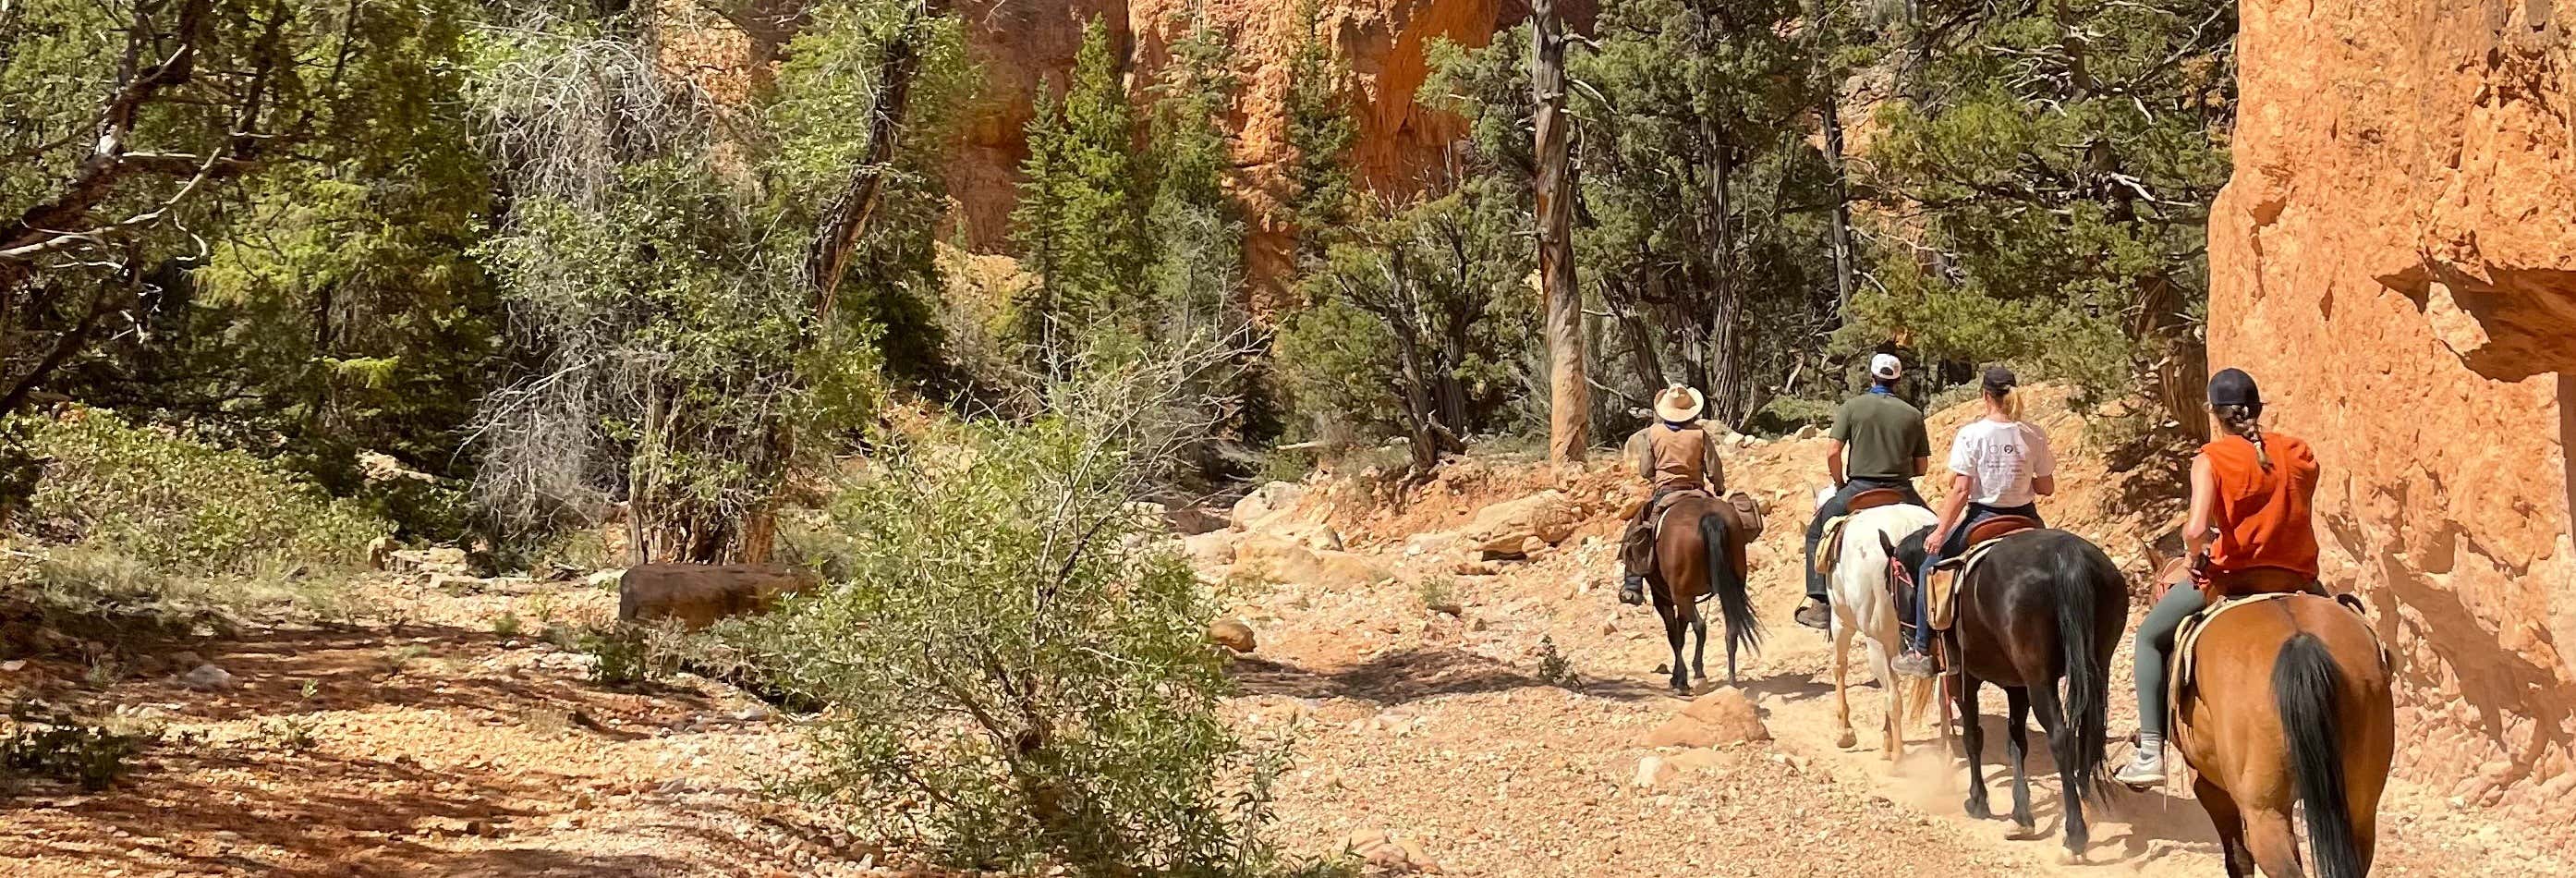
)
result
[(1847, 741), (1978, 810), (2070, 858)]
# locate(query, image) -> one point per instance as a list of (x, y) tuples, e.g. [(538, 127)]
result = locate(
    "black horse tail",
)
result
[(2088, 683), (2304, 684), (1734, 599)]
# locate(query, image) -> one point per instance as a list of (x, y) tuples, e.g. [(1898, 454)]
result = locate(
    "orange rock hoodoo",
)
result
[(2395, 261)]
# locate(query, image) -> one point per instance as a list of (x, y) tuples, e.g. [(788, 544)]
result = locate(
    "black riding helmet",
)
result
[(2234, 387)]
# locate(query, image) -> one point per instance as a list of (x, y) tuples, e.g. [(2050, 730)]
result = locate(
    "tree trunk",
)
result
[(1569, 395), (1642, 355), (1726, 375), (1831, 112)]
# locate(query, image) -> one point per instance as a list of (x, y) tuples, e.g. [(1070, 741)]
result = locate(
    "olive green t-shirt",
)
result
[(1882, 437)]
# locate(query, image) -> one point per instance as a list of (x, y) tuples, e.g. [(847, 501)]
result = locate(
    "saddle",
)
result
[(1947, 575), (1830, 545), (2185, 667)]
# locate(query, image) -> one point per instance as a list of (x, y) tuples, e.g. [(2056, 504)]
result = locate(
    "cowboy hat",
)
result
[(1679, 404)]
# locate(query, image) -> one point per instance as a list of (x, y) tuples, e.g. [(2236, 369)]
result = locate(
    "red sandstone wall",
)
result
[(2395, 261)]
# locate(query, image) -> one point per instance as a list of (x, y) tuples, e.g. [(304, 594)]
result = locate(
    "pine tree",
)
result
[(1196, 228), (1080, 223), (1323, 198)]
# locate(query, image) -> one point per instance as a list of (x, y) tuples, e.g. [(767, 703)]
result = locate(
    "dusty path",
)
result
[(428, 746), (1435, 727)]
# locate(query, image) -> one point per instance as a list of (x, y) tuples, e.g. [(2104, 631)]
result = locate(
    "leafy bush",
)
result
[(176, 506), (1014, 666), (62, 748)]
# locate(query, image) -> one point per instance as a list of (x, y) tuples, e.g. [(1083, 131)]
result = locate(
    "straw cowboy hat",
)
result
[(1679, 404)]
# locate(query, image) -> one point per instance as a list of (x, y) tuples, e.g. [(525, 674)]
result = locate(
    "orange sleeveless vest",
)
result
[(2264, 519)]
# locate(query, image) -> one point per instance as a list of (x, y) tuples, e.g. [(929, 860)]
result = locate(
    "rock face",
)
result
[(2395, 262), (700, 594), (1385, 42)]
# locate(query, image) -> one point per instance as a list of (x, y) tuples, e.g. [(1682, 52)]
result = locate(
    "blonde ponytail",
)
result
[(2009, 403), (2242, 421)]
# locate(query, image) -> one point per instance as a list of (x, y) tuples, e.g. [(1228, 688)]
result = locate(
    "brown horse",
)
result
[(2318, 730), (1699, 552), (2043, 608)]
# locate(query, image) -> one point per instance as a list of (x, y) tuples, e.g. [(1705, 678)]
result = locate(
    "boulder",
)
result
[(1190, 521), (1653, 771), (1264, 502), (1716, 719), (207, 678), (1285, 560), (1209, 551), (449, 560), (1387, 851), (1507, 528), (697, 595), (1232, 634)]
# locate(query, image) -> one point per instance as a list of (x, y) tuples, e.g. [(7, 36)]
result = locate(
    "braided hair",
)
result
[(2246, 421)]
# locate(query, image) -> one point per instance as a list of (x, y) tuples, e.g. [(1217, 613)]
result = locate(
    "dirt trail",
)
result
[(1426, 724), (428, 746), (1436, 727)]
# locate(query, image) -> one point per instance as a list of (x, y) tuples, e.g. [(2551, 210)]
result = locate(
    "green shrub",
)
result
[(1014, 671), (184, 509), (65, 749)]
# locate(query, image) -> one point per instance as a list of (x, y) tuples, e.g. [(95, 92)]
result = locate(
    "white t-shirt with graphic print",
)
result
[(2000, 458)]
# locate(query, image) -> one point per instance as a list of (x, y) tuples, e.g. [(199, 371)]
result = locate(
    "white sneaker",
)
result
[(2145, 769)]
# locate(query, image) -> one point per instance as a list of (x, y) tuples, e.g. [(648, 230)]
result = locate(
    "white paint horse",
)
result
[(1864, 607)]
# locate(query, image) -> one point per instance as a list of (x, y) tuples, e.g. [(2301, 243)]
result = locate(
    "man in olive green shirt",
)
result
[(1887, 448)]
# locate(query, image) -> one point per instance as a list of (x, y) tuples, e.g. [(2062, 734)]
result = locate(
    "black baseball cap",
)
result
[(2000, 379), (2234, 387)]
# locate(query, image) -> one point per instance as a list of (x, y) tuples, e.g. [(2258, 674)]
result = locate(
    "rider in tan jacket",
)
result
[(1675, 454)]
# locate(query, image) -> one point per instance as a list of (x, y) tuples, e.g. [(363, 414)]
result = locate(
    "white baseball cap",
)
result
[(1886, 367)]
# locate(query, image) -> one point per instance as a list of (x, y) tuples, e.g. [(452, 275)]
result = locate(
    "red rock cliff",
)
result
[(1021, 43), (2395, 261)]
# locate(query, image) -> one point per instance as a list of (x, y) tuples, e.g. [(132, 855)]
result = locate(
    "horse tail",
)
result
[(2304, 684), (2088, 682), (1734, 599)]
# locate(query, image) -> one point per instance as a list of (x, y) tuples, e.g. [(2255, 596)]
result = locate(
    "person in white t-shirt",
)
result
[(1998, 466)]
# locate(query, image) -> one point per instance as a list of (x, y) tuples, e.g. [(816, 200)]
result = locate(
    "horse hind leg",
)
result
[(2230, 826), (1842, 688), (1699, 646), (2017, 748), (2064, 743), (2275, 843)]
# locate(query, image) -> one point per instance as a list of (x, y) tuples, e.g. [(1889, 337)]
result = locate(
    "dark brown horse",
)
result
[(2319, 730), (2044, 607), (1699, 552)]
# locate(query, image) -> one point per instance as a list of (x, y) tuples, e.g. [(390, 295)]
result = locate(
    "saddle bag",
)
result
[(1747, 513)]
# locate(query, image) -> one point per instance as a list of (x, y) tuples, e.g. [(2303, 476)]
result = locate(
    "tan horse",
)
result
[(1699, 552), (2319, 730)]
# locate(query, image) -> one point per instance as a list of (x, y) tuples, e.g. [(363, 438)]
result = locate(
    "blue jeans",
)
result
[(1950, 547), (1839, 504)]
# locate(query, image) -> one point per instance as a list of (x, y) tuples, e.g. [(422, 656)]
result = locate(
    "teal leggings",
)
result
[(2155, 648)]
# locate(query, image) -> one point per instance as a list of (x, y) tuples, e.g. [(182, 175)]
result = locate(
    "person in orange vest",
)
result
[(2251, 531), (1674, 454)]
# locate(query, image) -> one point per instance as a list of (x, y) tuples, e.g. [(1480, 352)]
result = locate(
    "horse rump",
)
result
[(2305, 683)]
